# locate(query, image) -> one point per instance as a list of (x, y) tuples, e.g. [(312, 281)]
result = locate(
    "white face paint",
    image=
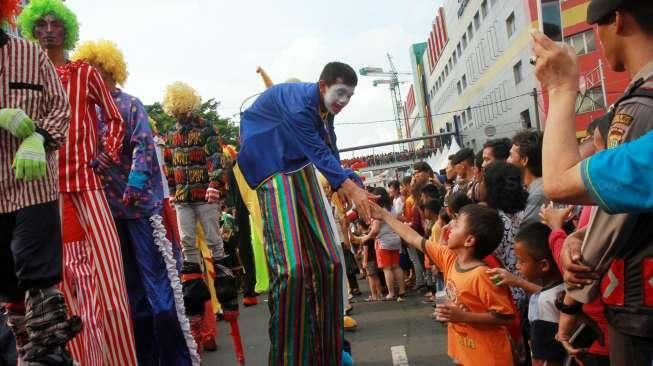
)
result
[(337, 96)]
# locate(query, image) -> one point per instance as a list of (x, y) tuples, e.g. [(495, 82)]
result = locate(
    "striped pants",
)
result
[(305, 297), (94, 281)]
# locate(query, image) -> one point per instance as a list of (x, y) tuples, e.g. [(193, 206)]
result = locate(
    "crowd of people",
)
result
[(391, 157), (119, 245)]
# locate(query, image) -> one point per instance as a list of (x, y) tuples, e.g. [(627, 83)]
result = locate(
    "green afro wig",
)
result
[(37, 9)]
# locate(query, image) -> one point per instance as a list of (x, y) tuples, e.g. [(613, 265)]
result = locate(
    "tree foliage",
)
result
[(208, 110)]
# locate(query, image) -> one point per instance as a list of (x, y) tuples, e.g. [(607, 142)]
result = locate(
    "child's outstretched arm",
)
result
[(409, 235), (503, 277), (453, 313)]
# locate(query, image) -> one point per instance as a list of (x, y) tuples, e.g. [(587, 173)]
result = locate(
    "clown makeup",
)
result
[(50, 32), (337, 96)]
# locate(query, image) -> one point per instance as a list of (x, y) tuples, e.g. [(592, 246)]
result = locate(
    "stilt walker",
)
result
[(193, 171), (34, 118), (94, 282), (135, 193), (285, 135)]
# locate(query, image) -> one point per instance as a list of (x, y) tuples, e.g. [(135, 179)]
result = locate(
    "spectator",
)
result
[(478, 334), (541, 277), (526, 153), (463, 162), (497, 149), (387, 248), (477, 176), (502, 189), (369, 260), (394, 189)]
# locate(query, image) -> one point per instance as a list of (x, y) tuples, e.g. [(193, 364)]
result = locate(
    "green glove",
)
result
[(29, 162), (16, 122)]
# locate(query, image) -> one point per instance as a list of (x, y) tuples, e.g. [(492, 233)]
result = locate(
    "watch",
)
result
[(574, 309)]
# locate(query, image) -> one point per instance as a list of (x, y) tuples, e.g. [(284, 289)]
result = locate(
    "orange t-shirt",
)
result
[(408, 209), (474, 344)]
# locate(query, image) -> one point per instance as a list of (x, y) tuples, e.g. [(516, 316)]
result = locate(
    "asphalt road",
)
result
[(383, 327)]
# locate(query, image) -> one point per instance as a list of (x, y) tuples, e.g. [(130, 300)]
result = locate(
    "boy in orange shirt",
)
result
[(479, 311)]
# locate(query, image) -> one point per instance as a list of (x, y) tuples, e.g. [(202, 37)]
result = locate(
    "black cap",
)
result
[(599, 9), (422, 166)]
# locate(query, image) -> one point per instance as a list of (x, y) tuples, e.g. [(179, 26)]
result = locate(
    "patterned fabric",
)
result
[(85, 90), (137, 158), (94, 282), (505, 252), (192, 161), (157, 326), (305, 298), (28, 81)]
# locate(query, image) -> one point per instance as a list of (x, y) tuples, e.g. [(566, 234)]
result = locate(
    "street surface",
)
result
[(389, 333)]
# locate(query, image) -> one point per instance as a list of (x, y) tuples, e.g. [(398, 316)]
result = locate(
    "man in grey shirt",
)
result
[(526, 153)]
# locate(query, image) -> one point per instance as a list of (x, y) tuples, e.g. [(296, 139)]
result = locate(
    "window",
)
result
[(477, 21), (460, 89), (460, 51), (469, 114), (484, 8), (446, 70), (590, 101), (583, 42), (464, 81), (454, 58), (525, 117), (517, 72), (450, 64), (464, 118), (510, 24), (470, 31), (464, 41)]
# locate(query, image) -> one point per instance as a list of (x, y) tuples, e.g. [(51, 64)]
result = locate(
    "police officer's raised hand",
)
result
[(556, 65)]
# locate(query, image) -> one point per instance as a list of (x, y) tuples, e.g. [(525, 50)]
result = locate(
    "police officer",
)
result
[(619, 246)]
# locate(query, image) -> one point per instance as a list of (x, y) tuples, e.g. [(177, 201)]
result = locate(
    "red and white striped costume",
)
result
[(94, 282)]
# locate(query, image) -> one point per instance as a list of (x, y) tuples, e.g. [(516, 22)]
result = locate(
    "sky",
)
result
[(216, 45)]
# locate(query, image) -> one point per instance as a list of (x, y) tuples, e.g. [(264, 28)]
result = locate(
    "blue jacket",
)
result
[(282, 132)]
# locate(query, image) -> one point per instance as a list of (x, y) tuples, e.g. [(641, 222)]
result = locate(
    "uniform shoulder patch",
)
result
[(618, 128)]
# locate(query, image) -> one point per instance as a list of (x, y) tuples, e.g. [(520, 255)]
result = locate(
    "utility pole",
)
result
[(537, 110)]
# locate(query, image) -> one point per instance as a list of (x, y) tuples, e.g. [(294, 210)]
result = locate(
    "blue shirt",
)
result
[(282, 132), (621, 179)]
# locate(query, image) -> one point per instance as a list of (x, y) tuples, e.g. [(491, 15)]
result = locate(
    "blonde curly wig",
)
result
[(106, 55), (180, 99)]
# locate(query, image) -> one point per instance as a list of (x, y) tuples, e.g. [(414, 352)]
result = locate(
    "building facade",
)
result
[(599, 85), (478, 77)]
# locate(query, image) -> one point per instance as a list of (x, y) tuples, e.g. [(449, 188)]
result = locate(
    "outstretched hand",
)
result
[(358, 197)]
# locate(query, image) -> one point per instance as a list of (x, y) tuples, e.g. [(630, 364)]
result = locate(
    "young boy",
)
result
[(479, 311), (541, 277)]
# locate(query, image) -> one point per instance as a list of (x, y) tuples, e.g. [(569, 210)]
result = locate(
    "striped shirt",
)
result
[(29, 81), (86, 89)]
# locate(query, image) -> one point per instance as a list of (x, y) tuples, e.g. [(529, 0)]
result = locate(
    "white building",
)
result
[(478, 70)]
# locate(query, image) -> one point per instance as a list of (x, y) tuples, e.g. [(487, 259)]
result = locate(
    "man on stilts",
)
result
[(285, 135), (94, 282), (135, 194), (34, 115)]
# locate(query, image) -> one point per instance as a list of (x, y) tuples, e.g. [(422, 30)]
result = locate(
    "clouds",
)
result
[(216, 45)]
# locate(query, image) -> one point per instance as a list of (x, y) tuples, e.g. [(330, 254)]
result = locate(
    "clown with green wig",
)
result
[(94, 278), (134, 190), (34, 118)]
